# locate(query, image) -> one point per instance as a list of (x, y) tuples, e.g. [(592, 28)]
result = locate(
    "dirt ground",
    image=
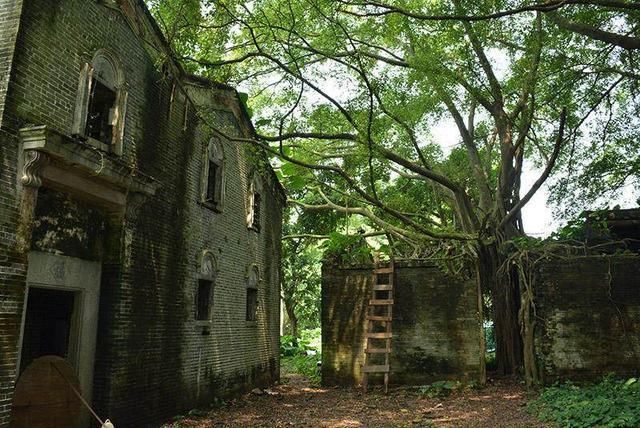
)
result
[(296, 404)]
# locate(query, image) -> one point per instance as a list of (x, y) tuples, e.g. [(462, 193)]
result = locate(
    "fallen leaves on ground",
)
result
[(296, 404)]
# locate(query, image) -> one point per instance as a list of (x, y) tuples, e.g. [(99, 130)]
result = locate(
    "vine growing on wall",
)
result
[(527, 254)]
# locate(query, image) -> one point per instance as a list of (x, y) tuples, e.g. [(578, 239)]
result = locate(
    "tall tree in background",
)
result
[(347, 94)]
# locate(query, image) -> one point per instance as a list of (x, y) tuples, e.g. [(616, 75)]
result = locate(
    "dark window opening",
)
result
[(100, 114), (212, 182), (47, 327), (252, 304), (256, 211), (203, 300)]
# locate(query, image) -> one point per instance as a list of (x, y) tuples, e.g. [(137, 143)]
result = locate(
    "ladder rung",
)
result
[(376, 369), (383, 287), (380, 335), (380, 302), (378, 350), (383, 270), (378, 318)]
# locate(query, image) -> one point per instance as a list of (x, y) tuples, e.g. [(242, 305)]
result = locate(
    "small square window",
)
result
[(252, 304), (203, 300)]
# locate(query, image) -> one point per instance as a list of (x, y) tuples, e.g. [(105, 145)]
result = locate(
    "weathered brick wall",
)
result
[(12, 275), (9, 23), (153, 360), (12, 263), (436, 325), (587, 317)]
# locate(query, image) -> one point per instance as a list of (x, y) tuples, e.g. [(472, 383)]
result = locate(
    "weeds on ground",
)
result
[(611, 403), (305, 365), (300, 357), (444, 388)]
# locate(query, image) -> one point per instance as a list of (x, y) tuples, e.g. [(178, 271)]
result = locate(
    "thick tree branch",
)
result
[(625, 42), (548, 6), (543, 177)]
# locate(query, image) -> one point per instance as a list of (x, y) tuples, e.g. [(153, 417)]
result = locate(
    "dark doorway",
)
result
[(47, 325)]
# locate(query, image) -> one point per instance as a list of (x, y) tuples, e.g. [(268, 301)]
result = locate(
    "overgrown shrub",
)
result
[(305, 365), (611, 403), (291, 345), (341, 248), (301, 356)]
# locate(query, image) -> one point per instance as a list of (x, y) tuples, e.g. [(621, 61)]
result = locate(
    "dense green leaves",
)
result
[(610, 403)]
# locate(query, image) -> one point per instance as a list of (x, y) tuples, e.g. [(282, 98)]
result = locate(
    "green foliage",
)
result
[(611, 403), (489, 336), (341, 249), (301, 283), (291, 345), (305, 365), (294, 358), (593, 223)]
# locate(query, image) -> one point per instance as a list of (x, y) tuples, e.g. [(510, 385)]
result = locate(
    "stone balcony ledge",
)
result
[(61, 162)]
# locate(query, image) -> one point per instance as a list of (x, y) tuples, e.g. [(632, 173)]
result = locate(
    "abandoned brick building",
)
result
[(137, 240)]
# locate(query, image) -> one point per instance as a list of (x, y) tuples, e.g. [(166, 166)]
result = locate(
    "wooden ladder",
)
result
[(379, 317)]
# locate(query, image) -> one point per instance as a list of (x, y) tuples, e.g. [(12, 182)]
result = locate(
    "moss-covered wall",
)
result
[(436, 325), (153, 359), (587, 312)]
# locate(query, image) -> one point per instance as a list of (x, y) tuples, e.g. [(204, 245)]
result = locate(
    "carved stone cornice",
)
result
[(34, 162), (59, 161)]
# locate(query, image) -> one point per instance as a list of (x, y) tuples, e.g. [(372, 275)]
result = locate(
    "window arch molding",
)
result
[(208, 268), (252, 276), (101, 102), (108, 68), (207, 274), (254, 202), (213, 176)]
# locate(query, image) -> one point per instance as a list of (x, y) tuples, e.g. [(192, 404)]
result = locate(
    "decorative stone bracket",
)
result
[(60, 162)]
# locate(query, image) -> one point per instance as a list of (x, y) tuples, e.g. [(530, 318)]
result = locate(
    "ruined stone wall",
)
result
[(12, 273), (12, 262), (153, 359), (9, 23), (436, 325), (587, 317)]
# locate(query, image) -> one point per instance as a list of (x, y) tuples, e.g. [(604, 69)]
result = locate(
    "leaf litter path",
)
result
[(296, 404)]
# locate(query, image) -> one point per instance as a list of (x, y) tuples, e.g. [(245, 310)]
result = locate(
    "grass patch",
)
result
[(301, 355), (305, 365), (611, 403)]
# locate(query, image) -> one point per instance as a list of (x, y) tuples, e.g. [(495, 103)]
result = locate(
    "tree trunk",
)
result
[(505, 296), (293, 319)]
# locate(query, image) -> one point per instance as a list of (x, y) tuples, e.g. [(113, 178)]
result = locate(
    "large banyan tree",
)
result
[(351, 97)]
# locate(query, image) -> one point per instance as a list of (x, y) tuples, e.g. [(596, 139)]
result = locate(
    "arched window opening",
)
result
[(204, 291), (101, 104), (254, 204), (253, 281), (213, 175)]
